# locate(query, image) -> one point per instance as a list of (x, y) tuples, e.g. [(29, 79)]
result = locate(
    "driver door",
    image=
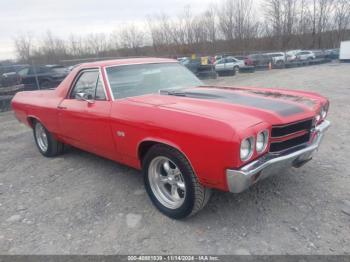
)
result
[(84, 115), (229, 64), (220, 65)]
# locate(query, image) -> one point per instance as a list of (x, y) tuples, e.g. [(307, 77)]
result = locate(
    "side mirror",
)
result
[(84, 97)]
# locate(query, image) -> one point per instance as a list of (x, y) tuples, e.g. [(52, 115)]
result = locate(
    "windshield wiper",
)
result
[(172, 92), (176, 93)]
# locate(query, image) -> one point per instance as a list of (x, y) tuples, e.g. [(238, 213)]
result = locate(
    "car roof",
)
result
[(127, 61), (54, 66)]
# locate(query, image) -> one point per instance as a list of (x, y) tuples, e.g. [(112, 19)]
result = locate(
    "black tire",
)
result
[(197, 196), (54, 147), (236, 69)]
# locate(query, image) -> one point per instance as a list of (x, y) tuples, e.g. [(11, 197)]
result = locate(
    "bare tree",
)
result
[(237, 21), (304, 22), (96, 44), (24, 46), (321, 14), (342, 18), (233, 26), (188, 24), (132, 37), (280, 16), (76, 46), (226, 19), (243, 19), (52, 48), (210, 24)]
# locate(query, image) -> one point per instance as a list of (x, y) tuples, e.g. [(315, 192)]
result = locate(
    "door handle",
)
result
[(61, 107)]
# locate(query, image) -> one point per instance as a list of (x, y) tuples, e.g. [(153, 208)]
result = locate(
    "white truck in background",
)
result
[(344, 53)]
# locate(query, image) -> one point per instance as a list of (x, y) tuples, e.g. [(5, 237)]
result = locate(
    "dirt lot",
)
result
[(81, 203)]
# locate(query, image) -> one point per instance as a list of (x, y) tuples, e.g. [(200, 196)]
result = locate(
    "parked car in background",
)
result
[(42, 77), (11, 68), (291, 55), (182, 59), (258, 60), (70, 68), (229, 65), (305, 55), (218, 57), (6, 73), (319, 54), (191, 64), (332, 53), (200, 66), (154, 115), (278, 58), (239, 57)]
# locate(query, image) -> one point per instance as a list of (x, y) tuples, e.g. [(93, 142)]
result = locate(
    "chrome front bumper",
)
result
[(270, 164)]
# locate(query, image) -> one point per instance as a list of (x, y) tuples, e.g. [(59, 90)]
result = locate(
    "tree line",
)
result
[(232, 26)]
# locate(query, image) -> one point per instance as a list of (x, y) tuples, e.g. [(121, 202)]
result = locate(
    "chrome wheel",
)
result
[(41, 137), (167, 182)]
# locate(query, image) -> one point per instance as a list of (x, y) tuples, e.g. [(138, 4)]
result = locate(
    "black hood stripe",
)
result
[(279, 107)]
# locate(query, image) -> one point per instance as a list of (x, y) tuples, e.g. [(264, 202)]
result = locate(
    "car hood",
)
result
[(242, 107)]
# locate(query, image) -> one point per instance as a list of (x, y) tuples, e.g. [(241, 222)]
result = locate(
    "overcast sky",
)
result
[(65, 17)]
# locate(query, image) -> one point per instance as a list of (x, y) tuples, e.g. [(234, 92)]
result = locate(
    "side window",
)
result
[(43, 70), (86, 83), (24, 71)]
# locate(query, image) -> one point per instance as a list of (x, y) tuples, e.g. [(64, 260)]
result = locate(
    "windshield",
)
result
[(136, 80)]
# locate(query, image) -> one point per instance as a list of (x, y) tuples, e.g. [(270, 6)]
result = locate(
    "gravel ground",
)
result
[(79, 203)]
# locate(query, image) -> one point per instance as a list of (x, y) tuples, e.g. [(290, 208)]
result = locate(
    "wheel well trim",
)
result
[(166, 143), (30, 119)]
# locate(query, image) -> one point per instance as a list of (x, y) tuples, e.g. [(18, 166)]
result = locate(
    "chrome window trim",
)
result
[(108, 84), (100, 76)]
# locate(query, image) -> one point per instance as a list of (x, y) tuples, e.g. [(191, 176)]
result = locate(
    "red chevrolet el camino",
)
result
[(187, 138)]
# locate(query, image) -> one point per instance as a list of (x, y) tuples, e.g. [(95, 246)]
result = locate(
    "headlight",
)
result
[(262, 141), (247, 148)]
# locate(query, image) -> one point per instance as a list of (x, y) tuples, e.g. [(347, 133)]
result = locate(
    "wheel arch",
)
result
[(145, 145), (31, 119)]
